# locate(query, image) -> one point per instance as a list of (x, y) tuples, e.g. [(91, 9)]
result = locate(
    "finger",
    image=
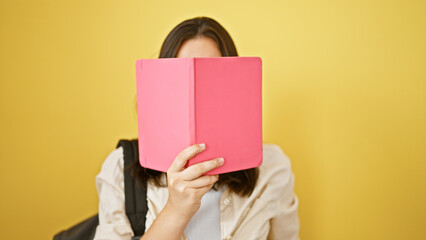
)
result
[(198, 169), (202, 181), (197, 193), (204, 190), (180, 161)]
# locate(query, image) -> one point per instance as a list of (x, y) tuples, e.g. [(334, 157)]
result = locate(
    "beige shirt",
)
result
[(269, 213)]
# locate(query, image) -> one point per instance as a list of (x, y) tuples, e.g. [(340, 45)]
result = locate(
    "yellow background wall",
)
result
[(344, 96)]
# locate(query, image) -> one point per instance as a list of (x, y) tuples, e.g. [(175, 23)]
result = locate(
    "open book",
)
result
[(185, 101)]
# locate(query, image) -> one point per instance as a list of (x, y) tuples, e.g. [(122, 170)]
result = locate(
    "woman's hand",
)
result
[(188, 185), (186, 188)]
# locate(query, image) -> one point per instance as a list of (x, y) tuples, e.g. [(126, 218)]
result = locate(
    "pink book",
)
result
[(186, 101)]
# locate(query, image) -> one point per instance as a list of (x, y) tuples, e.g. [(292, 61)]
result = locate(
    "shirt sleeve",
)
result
[(285, 224), (113, 221)]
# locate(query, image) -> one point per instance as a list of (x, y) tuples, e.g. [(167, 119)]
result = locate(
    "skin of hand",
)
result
[(186, 188)]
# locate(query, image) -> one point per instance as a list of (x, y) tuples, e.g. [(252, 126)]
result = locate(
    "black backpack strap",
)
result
[(135, 196)]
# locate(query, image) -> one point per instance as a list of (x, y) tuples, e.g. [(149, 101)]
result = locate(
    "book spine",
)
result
[(191, 78), (142, 157)]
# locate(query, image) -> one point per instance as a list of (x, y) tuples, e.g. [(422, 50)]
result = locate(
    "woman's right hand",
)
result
[(188, 185), (186, 188)]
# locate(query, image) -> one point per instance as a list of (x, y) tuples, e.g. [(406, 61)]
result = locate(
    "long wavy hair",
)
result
[(240, 182)]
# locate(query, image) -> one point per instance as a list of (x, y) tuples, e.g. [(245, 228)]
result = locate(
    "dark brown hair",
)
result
[(240, 182)]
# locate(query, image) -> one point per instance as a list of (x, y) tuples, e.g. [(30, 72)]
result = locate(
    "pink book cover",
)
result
[(186, 101)]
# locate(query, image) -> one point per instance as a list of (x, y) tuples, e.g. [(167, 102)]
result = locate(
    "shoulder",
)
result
[(275, 174), (274, 157), (112, 168)]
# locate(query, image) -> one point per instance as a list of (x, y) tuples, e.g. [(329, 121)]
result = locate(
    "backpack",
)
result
[(135, 201)]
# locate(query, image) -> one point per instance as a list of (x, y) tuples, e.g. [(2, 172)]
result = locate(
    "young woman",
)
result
[(256, 203)]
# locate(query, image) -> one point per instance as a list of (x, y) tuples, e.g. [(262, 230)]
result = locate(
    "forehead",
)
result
[(199, 47)]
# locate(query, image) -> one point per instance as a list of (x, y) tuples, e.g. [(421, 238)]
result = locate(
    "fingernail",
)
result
[(202, 145), (220, 160)]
